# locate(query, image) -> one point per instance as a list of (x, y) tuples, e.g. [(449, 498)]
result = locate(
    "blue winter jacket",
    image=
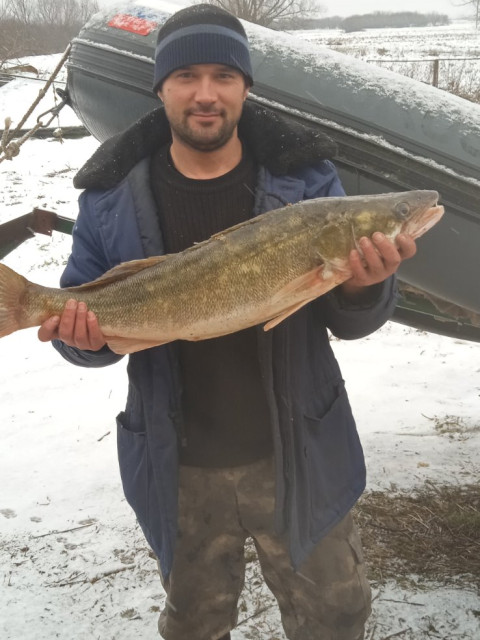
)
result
[(320, 470)]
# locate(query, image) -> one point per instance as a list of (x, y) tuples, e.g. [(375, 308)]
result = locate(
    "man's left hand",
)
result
[(378, 260)]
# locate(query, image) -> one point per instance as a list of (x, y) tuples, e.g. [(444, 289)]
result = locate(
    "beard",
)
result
[(206, 137)]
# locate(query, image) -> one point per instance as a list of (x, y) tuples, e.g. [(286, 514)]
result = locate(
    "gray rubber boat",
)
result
[(392, 133)]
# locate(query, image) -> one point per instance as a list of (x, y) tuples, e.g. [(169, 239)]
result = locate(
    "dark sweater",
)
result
[(225, 411)]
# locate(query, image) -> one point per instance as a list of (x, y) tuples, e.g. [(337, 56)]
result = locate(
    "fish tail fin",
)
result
[(12, 285)]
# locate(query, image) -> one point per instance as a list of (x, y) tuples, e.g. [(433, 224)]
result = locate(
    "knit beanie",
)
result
[(201, 34)]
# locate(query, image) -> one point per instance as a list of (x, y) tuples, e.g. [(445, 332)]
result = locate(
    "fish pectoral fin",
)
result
[(120, 272), (311, 285), (123, 346)]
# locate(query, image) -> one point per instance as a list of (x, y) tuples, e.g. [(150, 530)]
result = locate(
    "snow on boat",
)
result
[(392, 134)]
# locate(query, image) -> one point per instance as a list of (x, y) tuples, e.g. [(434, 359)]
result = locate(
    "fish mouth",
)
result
[(423, 223)]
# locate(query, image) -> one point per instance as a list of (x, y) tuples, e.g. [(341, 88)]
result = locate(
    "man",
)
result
[(250, 434)]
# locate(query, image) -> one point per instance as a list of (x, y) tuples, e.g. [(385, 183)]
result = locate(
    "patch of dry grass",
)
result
[(433, 532)]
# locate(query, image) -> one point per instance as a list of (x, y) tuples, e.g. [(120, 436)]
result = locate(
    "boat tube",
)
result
[(392, 133)]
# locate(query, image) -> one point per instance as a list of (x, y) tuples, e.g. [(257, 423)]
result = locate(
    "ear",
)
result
[(160, 95)]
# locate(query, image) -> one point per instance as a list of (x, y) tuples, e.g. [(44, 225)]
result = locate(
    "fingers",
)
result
[(375, 260), (48, 330), (379, 258), (77, 327), (96, 337), (406, 246), (72, 330)]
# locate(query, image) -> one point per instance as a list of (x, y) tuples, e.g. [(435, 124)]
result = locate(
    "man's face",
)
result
[(203, 104)]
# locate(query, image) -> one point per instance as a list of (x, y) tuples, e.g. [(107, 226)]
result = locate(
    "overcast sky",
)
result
[(350, 7)]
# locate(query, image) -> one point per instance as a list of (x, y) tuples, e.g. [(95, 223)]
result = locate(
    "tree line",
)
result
[(34, 27), (379, 20)]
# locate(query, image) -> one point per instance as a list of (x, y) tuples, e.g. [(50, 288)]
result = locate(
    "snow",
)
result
[(22, 92), (73, 562)]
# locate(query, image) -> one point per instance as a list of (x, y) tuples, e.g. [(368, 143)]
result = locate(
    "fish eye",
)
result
[(402, 208)]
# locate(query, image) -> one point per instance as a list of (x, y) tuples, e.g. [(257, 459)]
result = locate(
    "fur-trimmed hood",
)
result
[(281, 145)]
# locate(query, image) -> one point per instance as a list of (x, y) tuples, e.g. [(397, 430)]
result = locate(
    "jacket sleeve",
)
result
[(346, 320), (87, 261)]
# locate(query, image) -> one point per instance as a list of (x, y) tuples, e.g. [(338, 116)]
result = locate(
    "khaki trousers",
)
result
[(328, 598)]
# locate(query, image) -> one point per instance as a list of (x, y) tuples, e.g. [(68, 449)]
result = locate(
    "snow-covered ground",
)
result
[(453, 40), (411, 51), (73, 563)]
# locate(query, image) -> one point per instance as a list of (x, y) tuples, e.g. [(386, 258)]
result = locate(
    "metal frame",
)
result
[(14, 232)]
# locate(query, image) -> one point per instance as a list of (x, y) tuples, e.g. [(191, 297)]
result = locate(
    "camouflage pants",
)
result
[(328, 598)]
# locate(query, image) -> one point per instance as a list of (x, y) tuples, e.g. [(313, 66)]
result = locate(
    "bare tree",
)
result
[(266, 12), (65, 13), (4, 11), (22, 11), (475, 9), (48, 12), (51, 12), (86, 8), (15, 34), (32, 27)]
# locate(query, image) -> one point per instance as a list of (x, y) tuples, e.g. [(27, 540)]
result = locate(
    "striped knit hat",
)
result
[(201, 34)]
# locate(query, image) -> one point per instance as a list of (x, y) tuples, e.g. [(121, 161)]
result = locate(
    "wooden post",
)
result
[(436, 64)]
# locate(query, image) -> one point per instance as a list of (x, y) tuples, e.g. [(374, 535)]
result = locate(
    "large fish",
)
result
[(260, 271)]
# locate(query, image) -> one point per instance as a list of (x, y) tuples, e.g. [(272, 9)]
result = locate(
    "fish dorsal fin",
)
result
[(246, 223), (120, 272)]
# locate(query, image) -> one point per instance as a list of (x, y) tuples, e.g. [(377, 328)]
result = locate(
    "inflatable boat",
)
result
[(392, 134)]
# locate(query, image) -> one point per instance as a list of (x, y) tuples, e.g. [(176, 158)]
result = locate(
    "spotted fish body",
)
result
[(260, 271)]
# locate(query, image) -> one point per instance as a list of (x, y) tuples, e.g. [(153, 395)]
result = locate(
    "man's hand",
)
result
[(381, 259), (77, 327)]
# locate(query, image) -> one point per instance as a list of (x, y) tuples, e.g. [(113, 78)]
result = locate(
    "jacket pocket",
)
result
[(335, 464), (133, 462)]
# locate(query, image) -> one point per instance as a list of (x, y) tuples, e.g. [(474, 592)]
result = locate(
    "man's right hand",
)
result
[(77, 327)]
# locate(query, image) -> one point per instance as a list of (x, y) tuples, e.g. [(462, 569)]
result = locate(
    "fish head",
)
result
[(354, 217), (420, 212), (410, 212)]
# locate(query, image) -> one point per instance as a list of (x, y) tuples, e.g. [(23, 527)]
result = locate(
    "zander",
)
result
[(262, 270)]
